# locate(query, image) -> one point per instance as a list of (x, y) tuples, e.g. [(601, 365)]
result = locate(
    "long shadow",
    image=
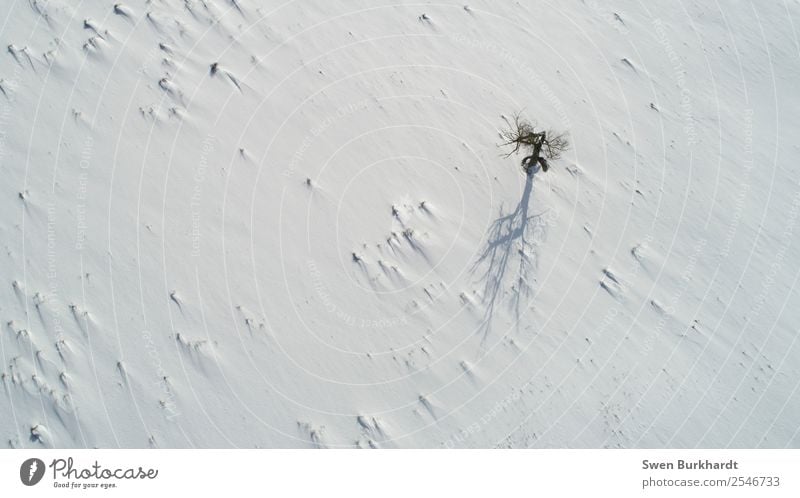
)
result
[(508, 235)]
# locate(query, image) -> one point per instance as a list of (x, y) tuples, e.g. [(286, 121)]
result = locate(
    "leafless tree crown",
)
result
[(540, 145)]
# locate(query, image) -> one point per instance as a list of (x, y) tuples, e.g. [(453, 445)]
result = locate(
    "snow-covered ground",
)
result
[(261, 224)]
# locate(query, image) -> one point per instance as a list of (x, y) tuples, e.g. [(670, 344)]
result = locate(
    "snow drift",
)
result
[(262, 224)]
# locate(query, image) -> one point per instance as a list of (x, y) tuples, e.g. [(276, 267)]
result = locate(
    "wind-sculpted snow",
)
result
[(262, 224)]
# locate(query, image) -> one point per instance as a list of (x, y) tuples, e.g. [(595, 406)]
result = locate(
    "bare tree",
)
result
[(541, 146)]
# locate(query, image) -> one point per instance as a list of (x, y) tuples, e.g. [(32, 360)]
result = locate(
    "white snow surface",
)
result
[(318, 243)]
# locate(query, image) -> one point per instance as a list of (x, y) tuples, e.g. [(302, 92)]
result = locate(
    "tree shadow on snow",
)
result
[(509, 235)]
